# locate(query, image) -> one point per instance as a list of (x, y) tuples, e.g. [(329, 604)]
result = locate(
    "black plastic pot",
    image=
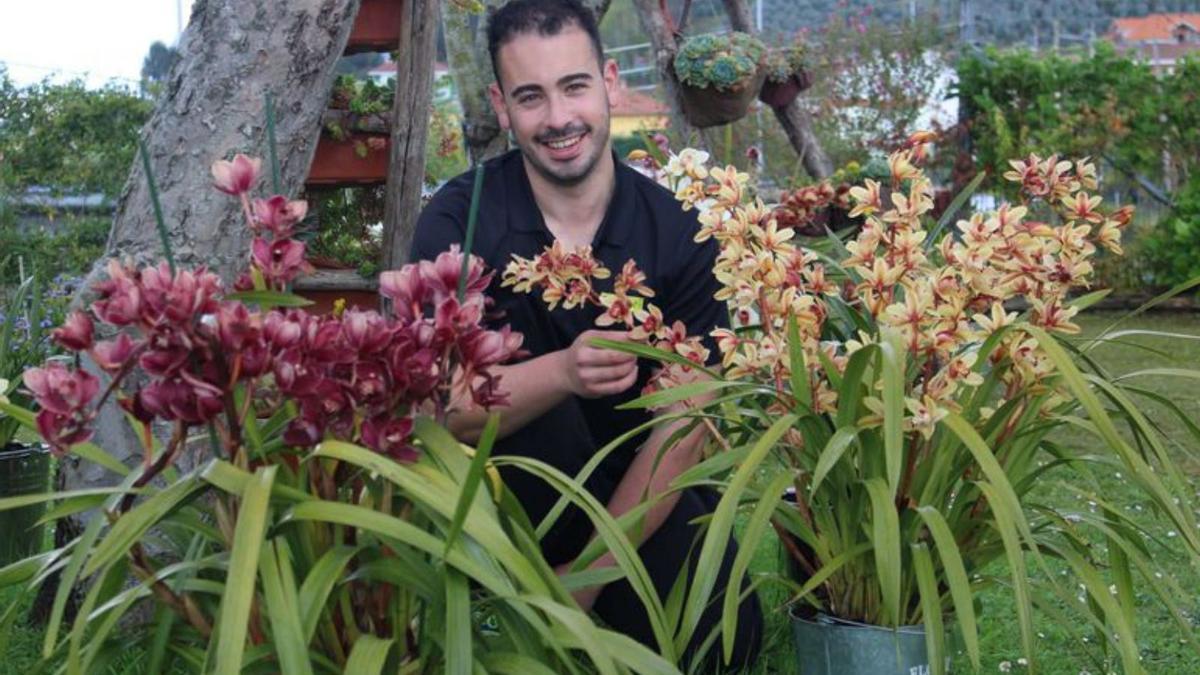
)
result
[(24, 469)]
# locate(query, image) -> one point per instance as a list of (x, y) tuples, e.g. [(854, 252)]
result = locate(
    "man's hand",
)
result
[(593, 372)]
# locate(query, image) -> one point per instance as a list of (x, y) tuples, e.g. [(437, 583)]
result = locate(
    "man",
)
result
[(552, 93)]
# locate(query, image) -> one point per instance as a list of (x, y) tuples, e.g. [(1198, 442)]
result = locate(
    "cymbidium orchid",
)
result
[(182, 352)]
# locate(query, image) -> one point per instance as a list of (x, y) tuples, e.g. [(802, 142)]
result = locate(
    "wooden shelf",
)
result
[(325, 287)]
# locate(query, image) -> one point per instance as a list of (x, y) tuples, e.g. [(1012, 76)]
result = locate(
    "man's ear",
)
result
[(497, 99), (612, 80)]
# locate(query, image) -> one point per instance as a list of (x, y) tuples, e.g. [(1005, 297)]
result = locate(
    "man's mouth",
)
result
[(564, 143)]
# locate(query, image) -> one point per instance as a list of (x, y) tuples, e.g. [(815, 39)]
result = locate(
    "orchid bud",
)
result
[(76, 333), (237, 176), (111, 355), (59, 389), (279, 215)]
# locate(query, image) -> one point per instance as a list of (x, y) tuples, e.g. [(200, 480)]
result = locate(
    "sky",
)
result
[(99, 40)]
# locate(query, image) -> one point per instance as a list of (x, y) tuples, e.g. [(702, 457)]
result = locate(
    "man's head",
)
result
[(552, 86)]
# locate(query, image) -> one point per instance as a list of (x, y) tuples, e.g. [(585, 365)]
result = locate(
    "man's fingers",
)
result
[(606, 374), (590, 358), (610, 387)]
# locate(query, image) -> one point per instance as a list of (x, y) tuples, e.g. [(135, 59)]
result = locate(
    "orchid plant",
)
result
[(908, 388), (330, 523)]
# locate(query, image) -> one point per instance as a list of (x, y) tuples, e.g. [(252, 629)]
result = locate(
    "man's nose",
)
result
[(559, 112)]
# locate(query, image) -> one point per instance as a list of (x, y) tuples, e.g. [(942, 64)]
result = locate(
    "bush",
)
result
[(1173, 247), (69, 252)]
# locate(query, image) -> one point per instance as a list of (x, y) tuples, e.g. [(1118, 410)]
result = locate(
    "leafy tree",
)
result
[(158, 62), (68, 137)]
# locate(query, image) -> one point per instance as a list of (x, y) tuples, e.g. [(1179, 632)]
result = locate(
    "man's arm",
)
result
[(537, 385), (648, 477)]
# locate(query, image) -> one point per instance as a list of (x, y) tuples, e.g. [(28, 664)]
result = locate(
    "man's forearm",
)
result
[(650, 476), (534, 387)]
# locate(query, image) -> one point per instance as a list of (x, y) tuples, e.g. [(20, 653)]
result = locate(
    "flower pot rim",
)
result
[(18, 448), (830, 621)]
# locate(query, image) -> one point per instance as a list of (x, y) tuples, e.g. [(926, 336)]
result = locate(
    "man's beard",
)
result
[(571, 177)]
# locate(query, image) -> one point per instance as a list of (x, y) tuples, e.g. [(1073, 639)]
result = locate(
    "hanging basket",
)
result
[(780, 94), (705, 107)]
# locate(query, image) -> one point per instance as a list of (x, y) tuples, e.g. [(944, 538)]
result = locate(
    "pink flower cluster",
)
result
[(181, 350)]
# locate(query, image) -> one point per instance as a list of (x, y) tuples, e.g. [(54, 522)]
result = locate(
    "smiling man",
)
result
[(553, 93)]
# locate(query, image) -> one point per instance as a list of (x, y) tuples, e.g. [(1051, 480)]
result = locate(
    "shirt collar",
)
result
[(614, 228)]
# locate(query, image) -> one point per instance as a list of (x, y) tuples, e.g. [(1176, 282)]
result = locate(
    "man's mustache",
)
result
[(551, 135)]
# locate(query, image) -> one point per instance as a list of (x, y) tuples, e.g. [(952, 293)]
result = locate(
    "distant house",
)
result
[(443, 83), (1160, 40), (636, 110)]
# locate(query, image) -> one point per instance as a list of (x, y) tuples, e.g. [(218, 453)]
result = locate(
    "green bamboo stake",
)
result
[(159, 221), (469, 240), (276, 183)]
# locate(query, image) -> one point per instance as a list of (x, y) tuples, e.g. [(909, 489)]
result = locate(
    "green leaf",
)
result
[(270, 299), (475, 474), (885, 537), (283, 608), (838, 443), (28, 500), (716, 538), (1006, 523), (508, 663), (317, 585), (458, 624), (133, 525), (751, 536), (931, 608), (801, 388), (239, 587), (681, 392), (368, 656), (651, 353), (956, 578), (893, 410), (952, 210)]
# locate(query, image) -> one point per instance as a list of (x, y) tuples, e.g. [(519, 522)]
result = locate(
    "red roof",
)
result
[(1153, 27), (634, 103)]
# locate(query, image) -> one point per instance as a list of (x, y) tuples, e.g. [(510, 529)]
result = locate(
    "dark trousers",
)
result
[(674, 546)]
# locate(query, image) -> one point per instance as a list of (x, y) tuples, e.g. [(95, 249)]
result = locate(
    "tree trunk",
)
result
[(410, 128), (232, 54), (794, 119), (471, 67)]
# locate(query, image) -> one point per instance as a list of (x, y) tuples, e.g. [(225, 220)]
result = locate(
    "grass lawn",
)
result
[(1058, 651)]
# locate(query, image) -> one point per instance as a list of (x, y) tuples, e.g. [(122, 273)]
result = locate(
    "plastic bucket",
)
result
[(24, 469)]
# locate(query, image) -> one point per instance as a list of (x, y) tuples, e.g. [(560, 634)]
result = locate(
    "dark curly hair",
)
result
[(544, 17)]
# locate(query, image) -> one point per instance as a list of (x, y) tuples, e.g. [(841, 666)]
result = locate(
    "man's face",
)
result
[(555, 100)]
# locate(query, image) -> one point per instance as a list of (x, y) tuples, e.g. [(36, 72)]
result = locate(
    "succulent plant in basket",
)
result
[(787, 75), (720, 75)]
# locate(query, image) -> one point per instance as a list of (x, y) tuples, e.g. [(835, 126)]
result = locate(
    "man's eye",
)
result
[(527, 99), (576, 87)]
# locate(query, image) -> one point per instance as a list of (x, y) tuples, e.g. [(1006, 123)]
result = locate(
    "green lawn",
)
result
[(1058, 653)]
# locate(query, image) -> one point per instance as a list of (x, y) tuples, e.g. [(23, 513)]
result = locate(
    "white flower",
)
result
[(3, 389), (1005, 666), (1022, 662)]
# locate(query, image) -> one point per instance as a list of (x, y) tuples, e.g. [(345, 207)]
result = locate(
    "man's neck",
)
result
[(574, 213)]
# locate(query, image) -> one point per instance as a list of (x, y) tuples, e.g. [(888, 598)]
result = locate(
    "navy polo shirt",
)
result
[(644, 222)]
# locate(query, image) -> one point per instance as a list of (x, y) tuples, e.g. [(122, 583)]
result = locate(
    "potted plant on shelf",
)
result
[(897, 386), (355, 134), (787, 75), (719, 76)]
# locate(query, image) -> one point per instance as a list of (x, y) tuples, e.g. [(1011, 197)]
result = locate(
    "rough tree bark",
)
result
[(410, 128), (794, 119), (471, 67), (232, 54)]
